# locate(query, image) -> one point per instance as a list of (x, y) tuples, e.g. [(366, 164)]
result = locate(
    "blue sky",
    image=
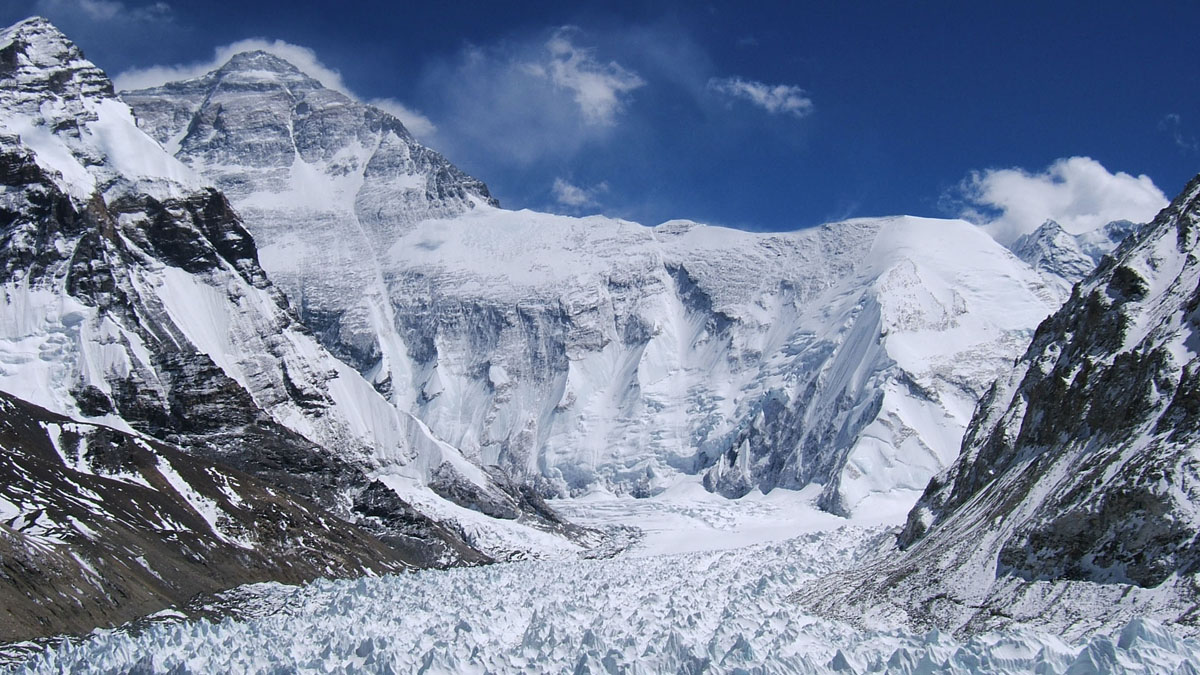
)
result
[(767, 116)]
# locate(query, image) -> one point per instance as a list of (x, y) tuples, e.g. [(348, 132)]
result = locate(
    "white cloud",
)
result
[(302, 57), (574, 196), (416, 123), (600, 89), (105, 10), (1077, 192), (775, 99)]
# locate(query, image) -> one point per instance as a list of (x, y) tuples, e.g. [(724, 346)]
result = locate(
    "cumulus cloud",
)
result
[(599, 88), (302, 57), (105, 10), (777, 99), (574, 196), (1077, 192)]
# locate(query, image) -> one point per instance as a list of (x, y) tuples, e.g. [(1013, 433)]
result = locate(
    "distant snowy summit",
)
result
[(1067, 257)]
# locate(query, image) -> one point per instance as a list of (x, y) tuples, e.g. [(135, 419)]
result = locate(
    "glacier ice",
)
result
[(708, 611)]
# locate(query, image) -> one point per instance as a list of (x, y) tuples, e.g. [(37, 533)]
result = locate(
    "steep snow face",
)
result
[(708, 611), (593, 352), (130, 293), (1074, 500), (600, 354)]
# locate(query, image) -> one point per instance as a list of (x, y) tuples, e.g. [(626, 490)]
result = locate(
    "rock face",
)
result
[(1074, 500), (578, 354), (98, 527)]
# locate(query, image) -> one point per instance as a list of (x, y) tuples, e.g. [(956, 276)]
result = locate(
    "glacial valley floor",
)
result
[(702, 587)]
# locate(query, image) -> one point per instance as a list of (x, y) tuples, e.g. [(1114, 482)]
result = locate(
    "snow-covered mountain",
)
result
[(131, 296), (391, 349), (596, 353), (1074, 502)]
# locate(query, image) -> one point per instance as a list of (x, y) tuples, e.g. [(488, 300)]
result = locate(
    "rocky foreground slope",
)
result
[(99, 527), (1074, 502)]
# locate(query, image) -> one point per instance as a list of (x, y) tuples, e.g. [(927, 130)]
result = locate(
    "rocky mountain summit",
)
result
[(1074, 500), (324, 179)]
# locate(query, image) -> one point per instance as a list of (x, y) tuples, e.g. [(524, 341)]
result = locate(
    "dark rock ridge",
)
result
[(98, 527), (1074, 501)]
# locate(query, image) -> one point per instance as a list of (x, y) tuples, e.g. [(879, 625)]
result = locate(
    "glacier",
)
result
[(648, 611)]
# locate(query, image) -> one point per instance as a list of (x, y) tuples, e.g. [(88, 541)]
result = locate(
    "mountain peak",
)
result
[(259, 68), (36, 56), (1052, 249), (1048, 228), (42, 44), (258, 59), (38, 27)]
